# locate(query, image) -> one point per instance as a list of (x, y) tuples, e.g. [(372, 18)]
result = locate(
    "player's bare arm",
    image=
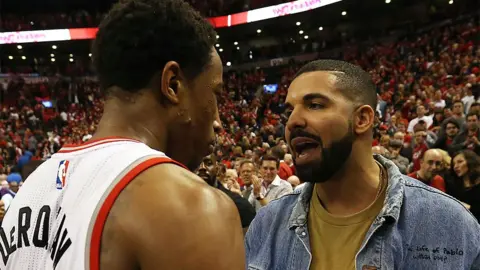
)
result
[(168, 218)]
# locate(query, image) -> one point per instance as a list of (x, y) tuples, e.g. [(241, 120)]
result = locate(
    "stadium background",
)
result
[(412, 49)]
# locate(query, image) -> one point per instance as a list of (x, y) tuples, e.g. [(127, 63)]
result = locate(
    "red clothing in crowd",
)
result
[(437, 181), (284, 171), (418, 155)]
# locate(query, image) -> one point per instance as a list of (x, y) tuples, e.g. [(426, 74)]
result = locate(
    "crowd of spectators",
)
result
[(83, 18), (427, 118)]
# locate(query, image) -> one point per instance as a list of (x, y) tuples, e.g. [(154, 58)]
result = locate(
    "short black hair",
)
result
[(278, 152), (355, 83), (472, 114), (138, 37), (271, 158)]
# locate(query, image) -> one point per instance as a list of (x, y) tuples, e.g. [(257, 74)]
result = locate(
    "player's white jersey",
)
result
[(57, 218)]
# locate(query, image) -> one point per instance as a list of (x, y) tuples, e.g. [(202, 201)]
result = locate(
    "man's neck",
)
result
[(113, 125), (420, 116), (353, 189)]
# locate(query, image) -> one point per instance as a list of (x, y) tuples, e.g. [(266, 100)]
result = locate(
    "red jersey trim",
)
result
[(101, 218), (68, 148)]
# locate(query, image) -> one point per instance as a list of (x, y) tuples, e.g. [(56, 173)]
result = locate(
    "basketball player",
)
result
[(356, 211), (125, 199)]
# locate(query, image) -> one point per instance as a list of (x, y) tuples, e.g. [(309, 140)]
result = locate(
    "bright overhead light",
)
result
[(19, 47), (89, 55), (344, 13), (10, 57), (71, 59), (298, 23), (23, 57), (54, 47), (235, 43), (53, 59), (218, 36), (300, 32), (450, 2), (259, 31), (387, 1), (320, 28), (217, 45), (251, 57), (229, 64), (71, 55), (238, 48), (52, 55), (305, 37), (220, 50), (31, 23)]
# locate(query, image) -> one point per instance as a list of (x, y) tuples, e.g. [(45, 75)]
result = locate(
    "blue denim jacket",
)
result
[(418, 228)]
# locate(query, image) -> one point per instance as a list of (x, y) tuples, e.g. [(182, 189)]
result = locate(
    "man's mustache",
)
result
[(298, 132)]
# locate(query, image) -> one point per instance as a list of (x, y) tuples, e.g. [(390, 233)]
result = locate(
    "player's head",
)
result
[(331, 105), (156, 60)]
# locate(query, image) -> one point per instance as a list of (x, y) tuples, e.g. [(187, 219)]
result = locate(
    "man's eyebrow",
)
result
[(309, 97)]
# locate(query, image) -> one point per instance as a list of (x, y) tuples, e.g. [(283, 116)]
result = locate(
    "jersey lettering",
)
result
[(43, 221), (24, 215), (58, 250), (21, 239)]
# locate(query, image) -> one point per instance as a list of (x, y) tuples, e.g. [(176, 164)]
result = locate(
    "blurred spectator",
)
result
[(208, 172), (420, 146), (271, 186), (284, 171), (247, 172), (465, 182), (469, 138), (431, 165), (445, 140), (394, 148)]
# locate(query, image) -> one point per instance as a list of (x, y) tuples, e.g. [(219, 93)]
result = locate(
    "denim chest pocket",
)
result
[(254, 267)]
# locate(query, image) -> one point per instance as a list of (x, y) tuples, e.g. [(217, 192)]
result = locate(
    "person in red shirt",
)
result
[(284, 170), (420, 145), (432, 163)]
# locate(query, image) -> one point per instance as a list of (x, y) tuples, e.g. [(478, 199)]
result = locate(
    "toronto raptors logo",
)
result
[(62, 173)]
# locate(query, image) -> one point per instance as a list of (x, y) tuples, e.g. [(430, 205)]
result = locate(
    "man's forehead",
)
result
[(312, 82)]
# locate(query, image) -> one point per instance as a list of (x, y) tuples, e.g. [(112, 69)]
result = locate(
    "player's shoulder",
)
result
[(176, 189)]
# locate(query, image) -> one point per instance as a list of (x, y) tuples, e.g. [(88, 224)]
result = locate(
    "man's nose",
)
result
[(295, 120), (217, 123)]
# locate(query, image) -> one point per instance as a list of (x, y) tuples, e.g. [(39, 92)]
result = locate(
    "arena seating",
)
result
[(435, 69)]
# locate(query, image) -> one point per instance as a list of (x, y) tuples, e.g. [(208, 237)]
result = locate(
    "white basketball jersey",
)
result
[(57, 218)]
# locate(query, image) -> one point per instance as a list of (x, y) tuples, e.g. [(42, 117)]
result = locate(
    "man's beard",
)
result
[(332, 160)]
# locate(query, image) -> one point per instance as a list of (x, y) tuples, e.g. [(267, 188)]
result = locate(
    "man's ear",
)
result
[(364, 119), (171, 82)]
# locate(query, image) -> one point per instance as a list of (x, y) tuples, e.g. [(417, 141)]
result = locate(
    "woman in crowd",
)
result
[(465, 182)]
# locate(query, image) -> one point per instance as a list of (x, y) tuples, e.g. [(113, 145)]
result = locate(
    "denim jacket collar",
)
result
[(392, 204)]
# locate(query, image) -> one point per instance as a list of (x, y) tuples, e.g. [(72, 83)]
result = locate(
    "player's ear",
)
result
[(171, 82)]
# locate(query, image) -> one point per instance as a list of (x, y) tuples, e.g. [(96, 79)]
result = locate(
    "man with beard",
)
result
[(431, 164), (451, 128), (469, 138), (356, 211), (207, 171)]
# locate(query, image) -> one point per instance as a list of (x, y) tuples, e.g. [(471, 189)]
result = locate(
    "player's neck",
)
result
[(353, 189), (118, 120)]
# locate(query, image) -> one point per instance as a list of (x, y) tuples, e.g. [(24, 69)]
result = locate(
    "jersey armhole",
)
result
[(95, 232)]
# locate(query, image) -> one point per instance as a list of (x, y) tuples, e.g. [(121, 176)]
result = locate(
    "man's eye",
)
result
[(315, 106)]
